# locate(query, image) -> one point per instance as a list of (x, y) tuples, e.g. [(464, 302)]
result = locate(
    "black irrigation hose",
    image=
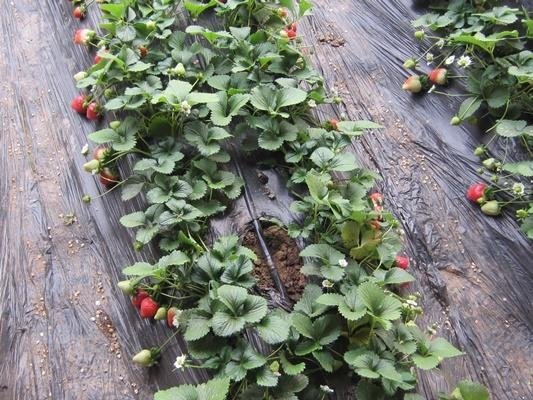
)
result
[(259, 230)]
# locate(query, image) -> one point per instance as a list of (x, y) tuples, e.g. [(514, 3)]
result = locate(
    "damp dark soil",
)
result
[(284, 253)]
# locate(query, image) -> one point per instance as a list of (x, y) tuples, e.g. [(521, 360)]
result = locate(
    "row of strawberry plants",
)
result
[(186, 99), (488, 43)]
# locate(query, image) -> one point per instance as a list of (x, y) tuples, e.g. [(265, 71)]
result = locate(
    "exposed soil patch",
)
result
[(284, 253), (332, 39)]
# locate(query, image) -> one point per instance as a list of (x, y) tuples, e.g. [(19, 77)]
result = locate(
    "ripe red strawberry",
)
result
[(291, 33), (148, 308), (293, 27), (93, 111), (84, 36), (79, 12), (412, 84), (475, 192), (143, 51), (108, 177), (438, 76), (79, 104), (402, 262), (138, 297), (334, 124)]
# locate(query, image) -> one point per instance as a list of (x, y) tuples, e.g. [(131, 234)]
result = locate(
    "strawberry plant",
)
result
[(187, 97), (489, 44)]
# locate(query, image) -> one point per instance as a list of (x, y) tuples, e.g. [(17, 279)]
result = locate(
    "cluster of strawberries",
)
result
[(108, 176), (376, 199), (477, 193), (148, 307), (83, 105), (416, 83)]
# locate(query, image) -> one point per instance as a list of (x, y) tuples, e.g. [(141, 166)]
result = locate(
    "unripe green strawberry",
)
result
[(114, 125), (491, 208), (456, 395), (455, 120), (137, 246), (92, 166), (147, 357), (143, 357), (419, 35), (126, 286), (86, 198), (150, 25), (179, 70), (160, 314)]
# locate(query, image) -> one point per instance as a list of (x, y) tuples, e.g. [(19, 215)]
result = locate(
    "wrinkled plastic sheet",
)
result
[(474, 272)]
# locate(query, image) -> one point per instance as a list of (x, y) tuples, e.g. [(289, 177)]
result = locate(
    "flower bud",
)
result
[(409, 63), (479, 151)]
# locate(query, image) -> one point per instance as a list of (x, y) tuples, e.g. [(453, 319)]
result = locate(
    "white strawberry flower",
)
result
[(326, 389), (185, 107), (343, 263), (464, 61), (518, 189), (440, 43), (429, 58), (180, 361), (327, 284)]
